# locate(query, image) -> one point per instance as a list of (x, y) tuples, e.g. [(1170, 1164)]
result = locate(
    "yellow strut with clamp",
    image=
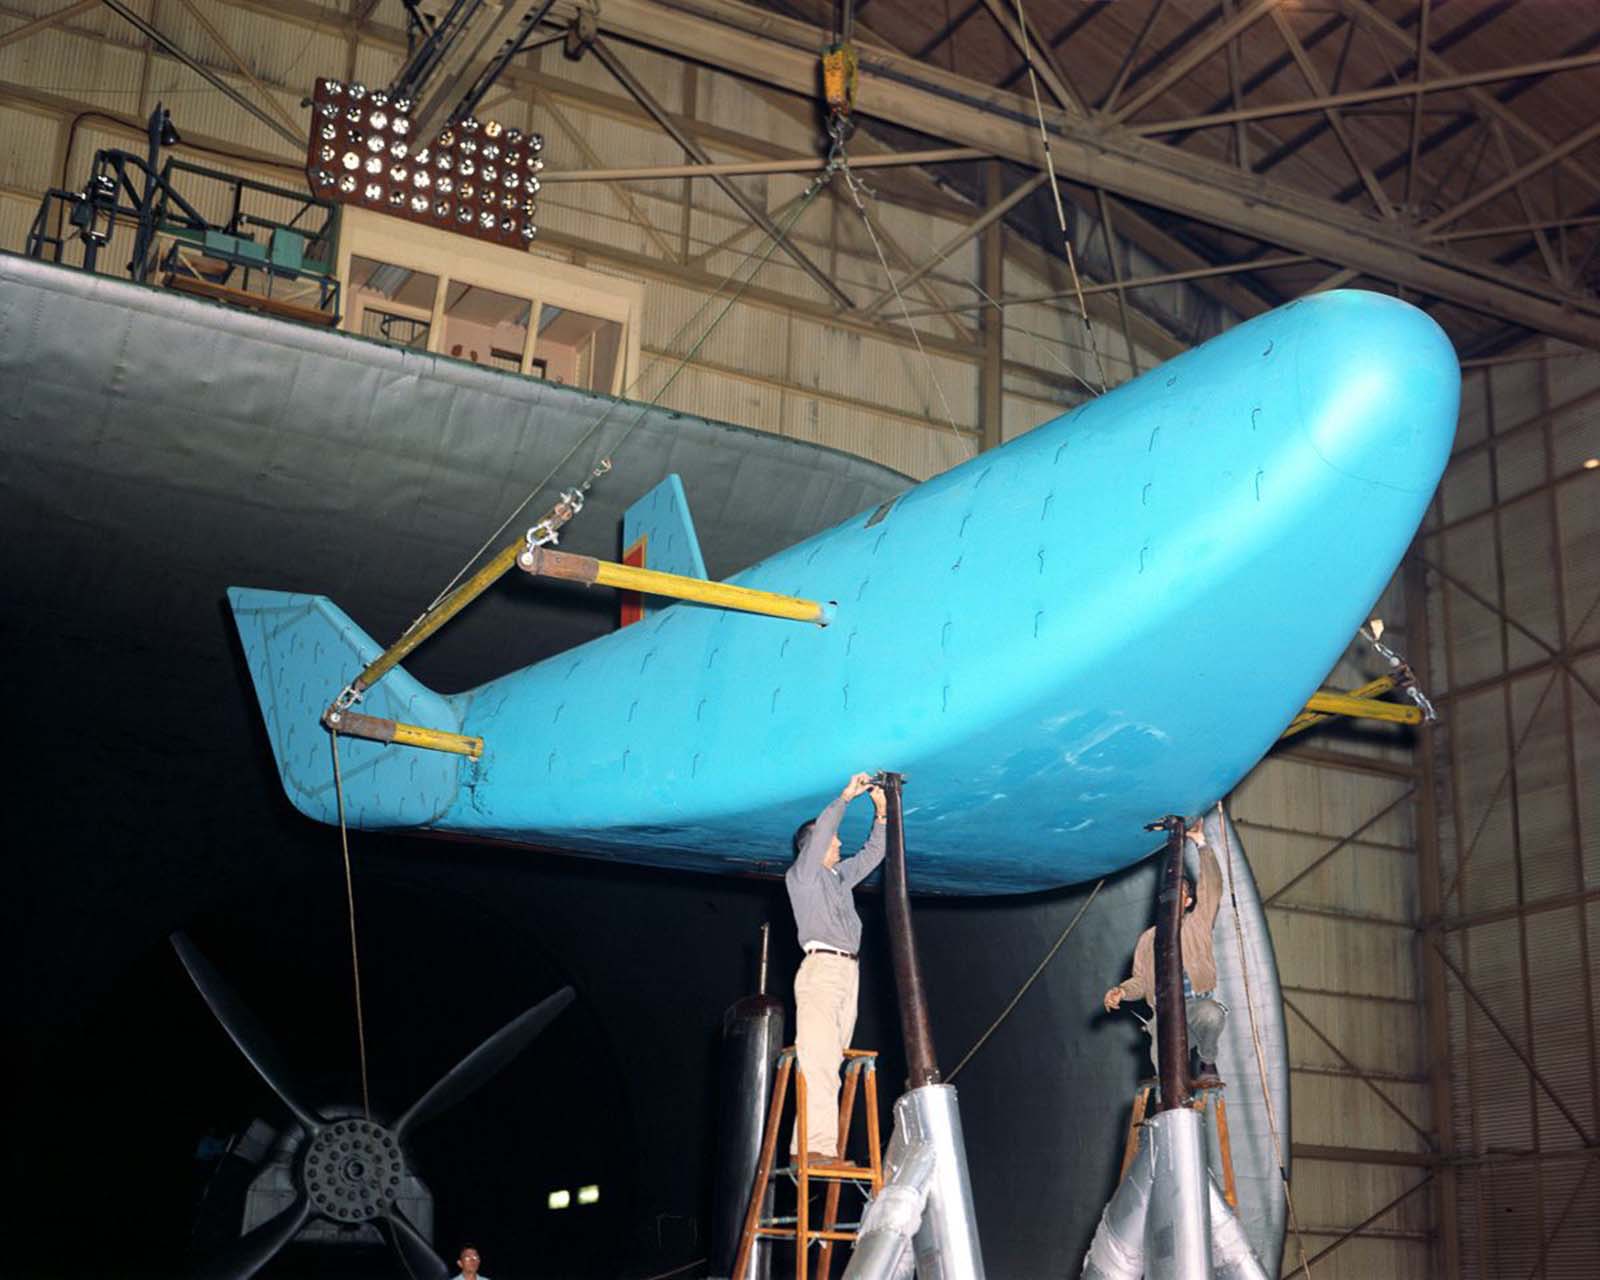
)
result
[(544, 563), (376, 729)]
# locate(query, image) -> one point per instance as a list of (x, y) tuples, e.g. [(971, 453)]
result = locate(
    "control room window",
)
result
[(391, 302), (485, 326), (579, 350)]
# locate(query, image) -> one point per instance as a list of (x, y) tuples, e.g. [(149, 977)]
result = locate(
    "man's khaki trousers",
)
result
[(825, 1018)]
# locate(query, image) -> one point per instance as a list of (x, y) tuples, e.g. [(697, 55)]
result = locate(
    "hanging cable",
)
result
[(350, 902), (855, 188), (1055, 190), (603, 463), (1255, 1037), (1032, 978)]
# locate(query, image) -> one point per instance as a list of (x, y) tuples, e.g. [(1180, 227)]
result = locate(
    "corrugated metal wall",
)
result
[(1514, 613)]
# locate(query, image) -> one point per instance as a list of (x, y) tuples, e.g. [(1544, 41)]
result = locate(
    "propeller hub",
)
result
[(353, 1170)]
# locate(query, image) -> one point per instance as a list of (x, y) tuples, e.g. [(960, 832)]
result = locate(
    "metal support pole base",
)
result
[(1168, 1219), (927, 1160)]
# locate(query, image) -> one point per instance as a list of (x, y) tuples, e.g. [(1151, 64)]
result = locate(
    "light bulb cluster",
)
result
[(476, 177)]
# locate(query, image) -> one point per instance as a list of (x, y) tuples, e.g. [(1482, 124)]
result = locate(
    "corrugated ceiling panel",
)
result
[(1586, 741), (1561, 1044), (1343, 1111), (1022, 413), (1544, 798), (26, 159), (1573, 1208), (1576, 438), (1472, 424), (1379, 1035), (849, 363), (1465, 489), (1519, 464), (279, 54), (375, 66), (1354, 876), (86, 67), (1340, 955), (1569, 376), (917, 451), (1527, 542), (754, 339), (1492, 961), (102, 24), (1349, 1193), (1578, 508), (723, 399), (16, 216), (1362, 1257), (728, 104), (1477, 729), (1470, 557), (576, 214)]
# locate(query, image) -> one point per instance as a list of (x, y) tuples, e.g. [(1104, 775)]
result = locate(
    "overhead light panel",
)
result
[(479, 178)]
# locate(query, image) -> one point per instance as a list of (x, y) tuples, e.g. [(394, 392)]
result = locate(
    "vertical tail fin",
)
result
[(302, 650), (658, 533)]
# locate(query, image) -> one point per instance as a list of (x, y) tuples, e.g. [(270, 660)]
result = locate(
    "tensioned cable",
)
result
[(933, 377), (1255, 1037), (1055, 191), (1032, 978), (350, 902), (773, 242)]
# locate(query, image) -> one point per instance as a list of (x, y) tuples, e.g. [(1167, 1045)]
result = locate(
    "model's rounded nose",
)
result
[(1379, 388)]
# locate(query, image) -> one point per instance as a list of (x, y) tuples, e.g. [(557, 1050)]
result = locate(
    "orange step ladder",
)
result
[(859, 1065), (1206, 1089)]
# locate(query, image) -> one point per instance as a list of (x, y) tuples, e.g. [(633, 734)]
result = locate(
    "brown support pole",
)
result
[(1430, 888), (921, 1067), (991, 372), (1172, 1019)]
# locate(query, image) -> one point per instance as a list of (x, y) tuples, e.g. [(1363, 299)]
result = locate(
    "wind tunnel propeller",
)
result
[(349, 1170)]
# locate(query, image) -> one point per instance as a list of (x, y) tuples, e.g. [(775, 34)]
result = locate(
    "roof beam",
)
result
[(1037, 57), (1380, 93), (989, 216), (1193, 56), (735, 38), (45, 23)]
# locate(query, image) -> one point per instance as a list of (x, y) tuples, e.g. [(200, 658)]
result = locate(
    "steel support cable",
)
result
[(1055, 191), (1032, 978), (611, 408), (855, 195), (1255, 1039), (350, 902)]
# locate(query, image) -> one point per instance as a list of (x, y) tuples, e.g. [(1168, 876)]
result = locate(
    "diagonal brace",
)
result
[(624, 77)]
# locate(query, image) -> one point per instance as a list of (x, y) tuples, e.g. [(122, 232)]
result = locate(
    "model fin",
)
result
[(301, 651), (658, 533)]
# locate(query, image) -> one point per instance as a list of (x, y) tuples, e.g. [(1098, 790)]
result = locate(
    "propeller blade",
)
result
[(241, 1025), (253, 1250), (421, 1261), (484, 1062)]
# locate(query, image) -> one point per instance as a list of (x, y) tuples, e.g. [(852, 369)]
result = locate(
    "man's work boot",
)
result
[(816, 1160)]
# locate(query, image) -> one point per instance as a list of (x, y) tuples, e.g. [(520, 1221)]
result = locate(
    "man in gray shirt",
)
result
[(820, 891)]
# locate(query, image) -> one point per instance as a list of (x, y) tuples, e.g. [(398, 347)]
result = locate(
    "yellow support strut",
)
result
[(545, 563), (1361, 703), (376, 729)]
